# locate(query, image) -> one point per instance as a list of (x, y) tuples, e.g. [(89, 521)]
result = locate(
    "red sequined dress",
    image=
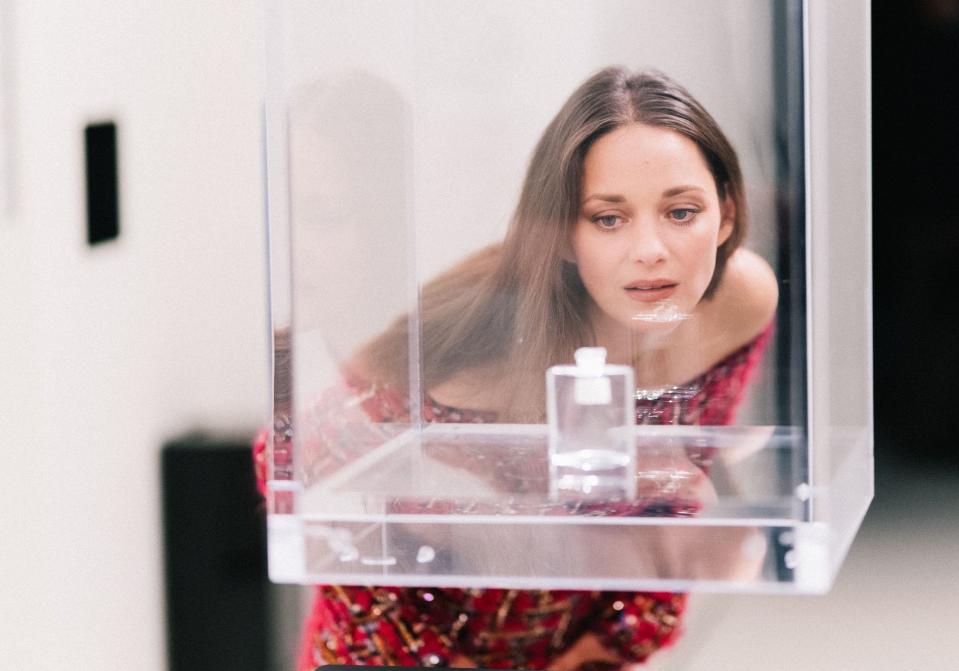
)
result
[(502, 628)]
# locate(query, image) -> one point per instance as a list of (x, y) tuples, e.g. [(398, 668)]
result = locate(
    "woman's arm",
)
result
[(588, 649)]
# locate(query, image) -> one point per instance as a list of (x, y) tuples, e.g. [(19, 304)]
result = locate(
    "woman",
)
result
[(627, 235)]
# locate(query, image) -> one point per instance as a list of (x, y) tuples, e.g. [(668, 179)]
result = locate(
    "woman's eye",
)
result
[(607, 221), (682, 215)]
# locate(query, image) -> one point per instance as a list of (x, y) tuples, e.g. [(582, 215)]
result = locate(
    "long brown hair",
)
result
[(520, 306)]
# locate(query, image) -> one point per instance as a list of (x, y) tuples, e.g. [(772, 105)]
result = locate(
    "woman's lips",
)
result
[(650, 292)]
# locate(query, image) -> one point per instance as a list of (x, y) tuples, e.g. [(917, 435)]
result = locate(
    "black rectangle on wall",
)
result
[(103, 197)]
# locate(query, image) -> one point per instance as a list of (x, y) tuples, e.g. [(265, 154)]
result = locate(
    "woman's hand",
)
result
[(587, 648)]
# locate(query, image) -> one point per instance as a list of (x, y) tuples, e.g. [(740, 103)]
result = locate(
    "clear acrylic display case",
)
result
[(411, 443)]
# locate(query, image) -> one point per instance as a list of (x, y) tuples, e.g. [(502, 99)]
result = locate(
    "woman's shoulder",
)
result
[(747, 297)]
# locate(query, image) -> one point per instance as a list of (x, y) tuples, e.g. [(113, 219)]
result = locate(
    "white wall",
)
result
[(106, 352)]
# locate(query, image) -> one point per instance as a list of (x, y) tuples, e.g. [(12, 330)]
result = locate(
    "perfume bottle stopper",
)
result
[(592, 386)]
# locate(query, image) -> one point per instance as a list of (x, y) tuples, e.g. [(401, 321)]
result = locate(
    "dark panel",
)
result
[(915, 87), (788, 76), (103, 201), (217, 591)]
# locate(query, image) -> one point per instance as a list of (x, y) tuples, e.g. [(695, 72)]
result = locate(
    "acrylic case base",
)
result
[(470, 505)]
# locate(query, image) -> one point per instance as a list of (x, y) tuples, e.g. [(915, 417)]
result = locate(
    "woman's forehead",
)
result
[(641, 155)]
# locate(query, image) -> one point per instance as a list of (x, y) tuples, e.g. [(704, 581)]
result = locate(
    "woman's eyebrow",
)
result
[(607, 197), (676, 190)]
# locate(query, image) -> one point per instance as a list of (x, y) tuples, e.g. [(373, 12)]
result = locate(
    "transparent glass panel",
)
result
[(462, 195), (840, 390)]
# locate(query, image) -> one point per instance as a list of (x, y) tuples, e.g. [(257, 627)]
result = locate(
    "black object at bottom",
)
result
[(347, 667), (217, 591)]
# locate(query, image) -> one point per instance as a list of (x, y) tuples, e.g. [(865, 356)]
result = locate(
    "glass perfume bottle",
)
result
[(591, 415)]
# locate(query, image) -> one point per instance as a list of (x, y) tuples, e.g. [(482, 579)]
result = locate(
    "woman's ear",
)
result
[(728, 222)]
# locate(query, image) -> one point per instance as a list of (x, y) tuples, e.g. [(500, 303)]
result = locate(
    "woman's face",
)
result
[(649, 224)]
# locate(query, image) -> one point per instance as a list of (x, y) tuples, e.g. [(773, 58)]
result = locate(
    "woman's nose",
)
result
[(646, 245)]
